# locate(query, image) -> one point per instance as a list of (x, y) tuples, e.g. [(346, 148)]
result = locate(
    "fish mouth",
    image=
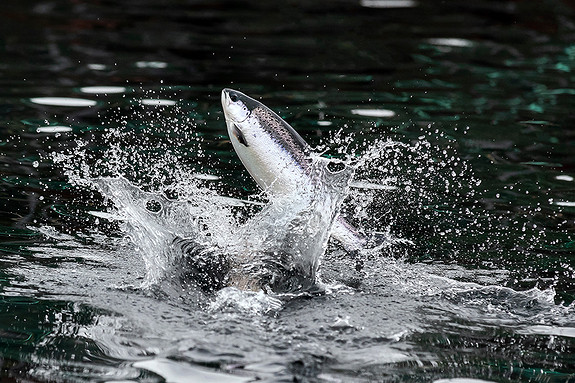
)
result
[(225, 97)]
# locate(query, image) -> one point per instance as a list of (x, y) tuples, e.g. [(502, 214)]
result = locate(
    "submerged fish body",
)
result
[(276, 156)]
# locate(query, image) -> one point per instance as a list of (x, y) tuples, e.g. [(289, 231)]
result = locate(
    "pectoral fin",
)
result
[(239, 135)]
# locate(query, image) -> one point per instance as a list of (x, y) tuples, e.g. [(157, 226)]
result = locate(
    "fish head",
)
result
[(249, 135), (237, 106), (269, 148), (238, 110), (252, 124)]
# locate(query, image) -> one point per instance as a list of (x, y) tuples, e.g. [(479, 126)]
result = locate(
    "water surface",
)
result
[(460, 117)]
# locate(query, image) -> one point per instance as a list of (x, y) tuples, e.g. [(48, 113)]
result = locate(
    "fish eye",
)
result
[(234, 97)]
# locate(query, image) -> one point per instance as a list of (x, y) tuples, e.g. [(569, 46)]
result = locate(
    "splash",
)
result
[(183, 223), (188, 225), (286, 240), (277, 249)]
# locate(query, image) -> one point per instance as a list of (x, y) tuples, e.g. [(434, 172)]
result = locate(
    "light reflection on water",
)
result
[(103, 89), (388, 3), (53, 129), (451, 42), (63, 101), (373, 112)]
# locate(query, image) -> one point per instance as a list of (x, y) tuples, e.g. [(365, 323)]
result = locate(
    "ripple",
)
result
[(63, 101), (568, 332), (173, 371), (373, 112), (542, 163), (102, 89), (388, 3), (372, 356)]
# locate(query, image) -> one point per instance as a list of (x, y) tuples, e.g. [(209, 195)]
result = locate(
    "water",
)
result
[(456, 118)]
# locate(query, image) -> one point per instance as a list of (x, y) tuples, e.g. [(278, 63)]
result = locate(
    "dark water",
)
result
[(476, 97)]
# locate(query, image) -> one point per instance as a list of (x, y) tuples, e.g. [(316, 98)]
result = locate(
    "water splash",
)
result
[(189, 227), (231, 299), (279, 248), (286, 240), (178, 221)]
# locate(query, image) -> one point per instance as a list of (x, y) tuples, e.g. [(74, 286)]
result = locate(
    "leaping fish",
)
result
[(275, 155)]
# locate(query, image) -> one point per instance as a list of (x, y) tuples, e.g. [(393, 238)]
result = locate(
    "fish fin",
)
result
[(349, 237)]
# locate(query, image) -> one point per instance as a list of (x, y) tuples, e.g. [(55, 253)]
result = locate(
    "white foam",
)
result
[(206, 177), (246, 301), (568, 332), (176, 372)]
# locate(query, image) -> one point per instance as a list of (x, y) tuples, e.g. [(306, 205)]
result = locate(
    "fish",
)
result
[(279, 160)]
